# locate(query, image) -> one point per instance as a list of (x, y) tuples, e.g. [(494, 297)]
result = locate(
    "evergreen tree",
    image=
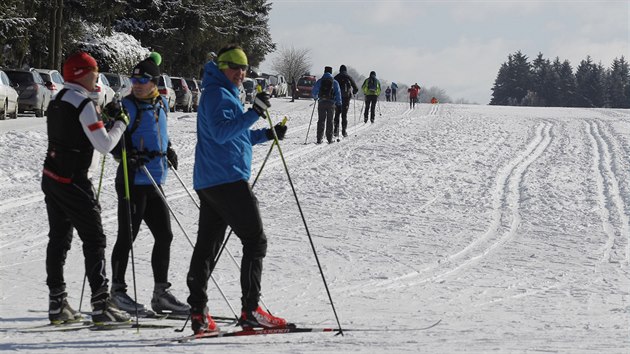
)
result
[(566, 83), (589, 84), (513, 81), (545, 82), (618, 81)]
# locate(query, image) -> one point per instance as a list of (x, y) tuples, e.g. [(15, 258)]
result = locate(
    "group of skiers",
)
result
[(135, 131), (333, 97)]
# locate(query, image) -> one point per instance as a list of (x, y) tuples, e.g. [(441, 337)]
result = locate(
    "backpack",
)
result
[(326, 90), (345, 85), (372, 84)]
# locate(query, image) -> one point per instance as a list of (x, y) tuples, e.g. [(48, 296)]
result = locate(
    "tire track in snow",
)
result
[(612, 208)]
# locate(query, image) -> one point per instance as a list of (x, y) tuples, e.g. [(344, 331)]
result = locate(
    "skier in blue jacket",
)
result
[(223, 157), (328, 94), (148, 145)]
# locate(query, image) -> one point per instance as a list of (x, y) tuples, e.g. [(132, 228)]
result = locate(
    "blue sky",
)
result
[(455, 45)]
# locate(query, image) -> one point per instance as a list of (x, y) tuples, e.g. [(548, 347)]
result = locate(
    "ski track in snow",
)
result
[(512, 224)]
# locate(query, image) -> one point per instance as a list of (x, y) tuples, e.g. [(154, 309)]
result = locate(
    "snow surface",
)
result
[(510, 224)]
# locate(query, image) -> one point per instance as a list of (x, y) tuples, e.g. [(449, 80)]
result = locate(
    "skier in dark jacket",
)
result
[(348, 89), (223, 158), (75, 129), (327, 93), (149, 147)]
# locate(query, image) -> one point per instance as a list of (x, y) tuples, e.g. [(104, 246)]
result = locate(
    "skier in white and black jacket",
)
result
[(75, 129)]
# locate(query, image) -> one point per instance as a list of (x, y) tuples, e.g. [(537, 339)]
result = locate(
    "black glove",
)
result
[(114, 110), (171, 155), (261, 103), (354, 92), (280, 129), (135, 160)]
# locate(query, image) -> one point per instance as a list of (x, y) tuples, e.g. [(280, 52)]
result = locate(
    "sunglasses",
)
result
[(235, 66), (140, 80)]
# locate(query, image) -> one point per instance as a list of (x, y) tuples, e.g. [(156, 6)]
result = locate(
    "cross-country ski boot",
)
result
[(164, 302), (59, 311), (201, 321), (258, 318), (104, 310), (125, 303)]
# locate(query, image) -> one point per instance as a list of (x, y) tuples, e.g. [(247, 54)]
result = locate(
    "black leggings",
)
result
[(232, 204), (147, 205), (68, 206)]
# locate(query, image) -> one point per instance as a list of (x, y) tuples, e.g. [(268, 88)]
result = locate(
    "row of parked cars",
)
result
[(31, 90)]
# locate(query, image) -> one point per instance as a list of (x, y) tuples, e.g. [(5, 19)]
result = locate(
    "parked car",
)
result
[(250, 89), (195, 89), (305, 86), (8, 98), (183, 96), (279, 84), (33, 94), (103, 93), (53, 79), (165, 87), (119, 83)]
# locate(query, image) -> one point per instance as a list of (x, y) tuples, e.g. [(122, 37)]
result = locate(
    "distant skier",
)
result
[(348, 89), (434, 100), (371, 89), (394, 90), (388, 93), (75, 129), (414, 91), (327, 93)]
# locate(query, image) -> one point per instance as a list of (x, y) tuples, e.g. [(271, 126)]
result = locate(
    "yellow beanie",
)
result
[(236, 56)]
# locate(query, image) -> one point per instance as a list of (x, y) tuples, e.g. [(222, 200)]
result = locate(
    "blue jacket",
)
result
[(224, 140), (336, 88), (149, 136)]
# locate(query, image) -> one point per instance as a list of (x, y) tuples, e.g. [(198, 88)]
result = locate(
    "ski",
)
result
[(92, 326), (291, 329)]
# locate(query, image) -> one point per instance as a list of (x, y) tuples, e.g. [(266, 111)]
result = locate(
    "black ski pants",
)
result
[(343, 112), (231, 204), (147, 205), (325, 113), (370, 104), (394, 99), (74, 205)]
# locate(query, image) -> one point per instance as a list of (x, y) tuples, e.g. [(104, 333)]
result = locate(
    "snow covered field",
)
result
[(510, 224)]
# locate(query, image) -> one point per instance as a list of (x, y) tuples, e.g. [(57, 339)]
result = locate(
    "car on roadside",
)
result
[(195, 89), (8, 98), (53, 79), (305, 86), (119, 83), (32, 91), (183, 96), (279, 84), (249, 85), (103, 93), (165, 87)]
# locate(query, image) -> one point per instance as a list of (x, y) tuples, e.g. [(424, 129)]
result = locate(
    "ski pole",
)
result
[(355, 110), (163, 197), (130, 228), (286, 169), (309, 123), (362, 103), (98, 194), (378, 103)]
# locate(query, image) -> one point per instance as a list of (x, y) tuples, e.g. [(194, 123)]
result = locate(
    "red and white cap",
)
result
[(78, 65)]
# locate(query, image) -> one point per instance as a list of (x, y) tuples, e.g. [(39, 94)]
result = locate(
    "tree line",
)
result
[(554, 84), (40, 33)]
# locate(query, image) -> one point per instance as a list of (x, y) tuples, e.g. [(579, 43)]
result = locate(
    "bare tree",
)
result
[(292, 62)]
